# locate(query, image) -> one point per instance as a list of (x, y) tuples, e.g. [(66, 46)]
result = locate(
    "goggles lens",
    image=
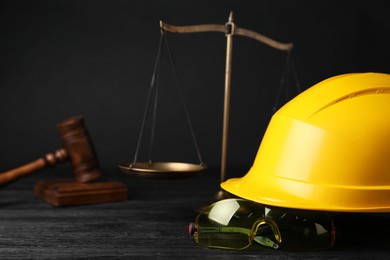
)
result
[(240, 224)]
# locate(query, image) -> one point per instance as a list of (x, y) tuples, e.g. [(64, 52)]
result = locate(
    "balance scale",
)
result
[(179, 170)]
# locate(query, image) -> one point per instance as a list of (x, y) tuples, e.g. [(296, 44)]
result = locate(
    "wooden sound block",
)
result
[(68, 192)]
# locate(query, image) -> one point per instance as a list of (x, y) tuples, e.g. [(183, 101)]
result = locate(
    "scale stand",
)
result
[(230, 29)]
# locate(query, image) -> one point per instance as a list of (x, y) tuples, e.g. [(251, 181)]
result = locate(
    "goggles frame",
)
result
[(278, 228)]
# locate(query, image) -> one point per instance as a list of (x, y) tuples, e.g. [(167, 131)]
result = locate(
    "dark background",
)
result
[(95, 58)]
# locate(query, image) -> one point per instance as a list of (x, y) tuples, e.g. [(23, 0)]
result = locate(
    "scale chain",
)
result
[(154, 85), (179, 84)]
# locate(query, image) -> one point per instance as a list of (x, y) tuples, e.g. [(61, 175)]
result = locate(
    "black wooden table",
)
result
[(151, 224)]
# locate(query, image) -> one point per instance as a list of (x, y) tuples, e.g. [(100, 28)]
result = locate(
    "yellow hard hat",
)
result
[(326, 149)]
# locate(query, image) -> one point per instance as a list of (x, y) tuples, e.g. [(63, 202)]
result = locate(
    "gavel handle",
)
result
[(49, 159)]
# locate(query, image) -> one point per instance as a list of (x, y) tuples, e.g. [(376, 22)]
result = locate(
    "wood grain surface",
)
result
[(151, 224)]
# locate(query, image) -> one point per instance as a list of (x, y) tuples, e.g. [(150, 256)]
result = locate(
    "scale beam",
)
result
[(225, 29), (229, 29)]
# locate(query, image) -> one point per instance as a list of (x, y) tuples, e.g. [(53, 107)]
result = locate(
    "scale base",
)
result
[(67, 192)]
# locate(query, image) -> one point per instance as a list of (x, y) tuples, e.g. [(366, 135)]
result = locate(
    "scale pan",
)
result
[(162, 170)]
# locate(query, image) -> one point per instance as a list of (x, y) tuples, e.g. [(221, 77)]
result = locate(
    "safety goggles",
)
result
[(241, 224)]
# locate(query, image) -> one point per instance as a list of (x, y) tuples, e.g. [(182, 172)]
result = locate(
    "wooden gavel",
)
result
[(77, 148)]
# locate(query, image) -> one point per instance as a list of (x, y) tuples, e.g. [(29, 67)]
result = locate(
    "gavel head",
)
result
[(79, 148)]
